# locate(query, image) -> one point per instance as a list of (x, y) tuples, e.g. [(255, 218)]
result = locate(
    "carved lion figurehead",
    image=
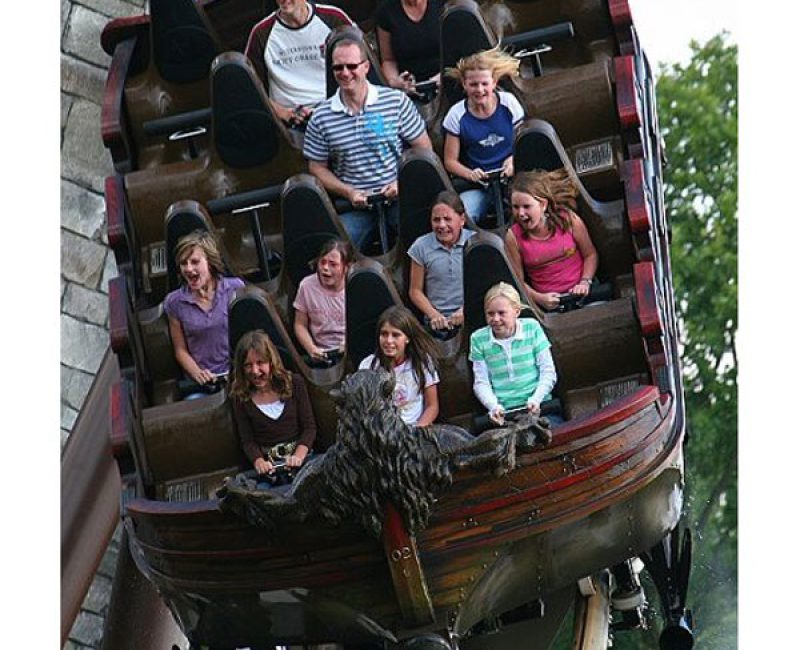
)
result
[(378, 458)]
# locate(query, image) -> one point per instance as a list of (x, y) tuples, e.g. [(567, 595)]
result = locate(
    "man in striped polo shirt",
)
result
[(355, 138)]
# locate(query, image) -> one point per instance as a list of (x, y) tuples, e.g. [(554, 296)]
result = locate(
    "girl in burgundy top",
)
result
[(548, 241), (270, 405)]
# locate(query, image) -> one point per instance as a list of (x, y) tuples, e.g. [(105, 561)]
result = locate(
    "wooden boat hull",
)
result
[(608, 487)]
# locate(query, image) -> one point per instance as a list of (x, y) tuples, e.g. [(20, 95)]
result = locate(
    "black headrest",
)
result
[(309, 220), (537, 147), (421, 177), (368, 293), (351, 33), (181, 219), (485, 264), (183, 42), (464, 32), (252, 309), (244, 130)]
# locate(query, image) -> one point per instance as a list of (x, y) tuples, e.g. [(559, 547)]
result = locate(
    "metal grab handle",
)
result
[(539, 49), (247, 208), (182, 135)]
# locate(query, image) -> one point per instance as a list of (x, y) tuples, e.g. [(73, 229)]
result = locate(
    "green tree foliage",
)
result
[(698, 113)]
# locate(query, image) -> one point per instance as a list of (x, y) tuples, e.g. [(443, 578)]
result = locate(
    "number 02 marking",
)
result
[(403, 553)]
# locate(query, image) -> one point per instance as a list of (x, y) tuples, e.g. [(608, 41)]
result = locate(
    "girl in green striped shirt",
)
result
[(511, 360)]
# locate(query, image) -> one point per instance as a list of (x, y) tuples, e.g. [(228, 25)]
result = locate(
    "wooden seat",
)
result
[(598, 164), (538, 146), (190, 438), (595, 34), (485, 264), (309, 220), (368, 293), (250, 150), (599, 354), (183, 218), (161, 69), (253, 309), (421, 177)]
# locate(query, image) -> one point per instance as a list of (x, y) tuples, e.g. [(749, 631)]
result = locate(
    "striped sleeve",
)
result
[(411, 123), (315, 144), (476, 342), (540, 340), (332, 16), (256, 44)]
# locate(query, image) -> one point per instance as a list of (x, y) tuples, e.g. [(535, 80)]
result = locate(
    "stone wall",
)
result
[(86, 262)]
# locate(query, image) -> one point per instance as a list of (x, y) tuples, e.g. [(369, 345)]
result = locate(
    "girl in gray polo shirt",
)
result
[(436, 277)]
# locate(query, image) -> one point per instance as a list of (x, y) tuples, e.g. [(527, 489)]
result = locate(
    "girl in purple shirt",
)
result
[(198, 311)]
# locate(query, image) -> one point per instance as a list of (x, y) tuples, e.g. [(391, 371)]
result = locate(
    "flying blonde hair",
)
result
[(499, 62)]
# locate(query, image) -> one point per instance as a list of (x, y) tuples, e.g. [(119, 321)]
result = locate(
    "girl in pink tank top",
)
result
[(548, 241)]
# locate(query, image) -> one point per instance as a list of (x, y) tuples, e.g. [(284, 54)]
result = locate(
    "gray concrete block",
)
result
[(82, 344), (109, 271), (82, 36), (85, 304), (84, 159), (66, 5), (66, 105), (88, 629), (68, 417), (82, 260), (82, 211), (75, 385), (115, 8), (99, 594), (108, 565), (82, 79), (64, 437)]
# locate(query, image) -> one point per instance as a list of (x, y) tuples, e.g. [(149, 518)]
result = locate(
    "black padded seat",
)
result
[(253, 309), (421, 176), (464, 31), (182, 39), (535, 148), (538, 147), (594, 32), (159, 70), (244, 127), (182, 218), (353, 33), (485, 264), (250, 151), (368, 293), (309, 220)]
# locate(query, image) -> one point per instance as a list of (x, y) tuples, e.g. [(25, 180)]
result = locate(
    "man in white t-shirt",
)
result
[(287, 49)]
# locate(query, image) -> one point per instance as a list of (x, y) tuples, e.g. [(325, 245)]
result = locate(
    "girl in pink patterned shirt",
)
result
[(548, 245)]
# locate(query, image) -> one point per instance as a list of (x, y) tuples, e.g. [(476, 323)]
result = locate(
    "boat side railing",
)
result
[(90, 494)]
